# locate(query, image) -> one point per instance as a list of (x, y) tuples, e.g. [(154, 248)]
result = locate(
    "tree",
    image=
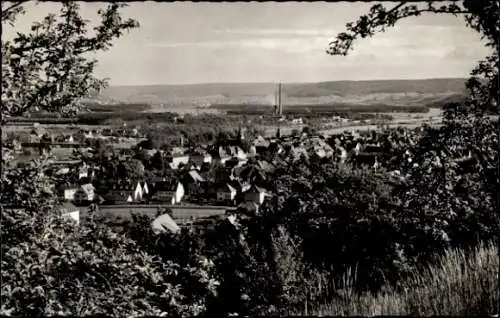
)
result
[(48, 68), (483, 16), (131, 169), (462, 121), (50, 267)]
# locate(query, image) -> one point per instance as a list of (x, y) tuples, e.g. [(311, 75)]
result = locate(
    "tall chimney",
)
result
[(279, 99), (276, 110)]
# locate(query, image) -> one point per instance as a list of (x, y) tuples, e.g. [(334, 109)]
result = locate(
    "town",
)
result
[(193, 159), (230, 175)]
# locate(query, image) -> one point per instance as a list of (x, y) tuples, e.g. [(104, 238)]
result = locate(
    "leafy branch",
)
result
[(379, 18), (48, 68), (481, 15)]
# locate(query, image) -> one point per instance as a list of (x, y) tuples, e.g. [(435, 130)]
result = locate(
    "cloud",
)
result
[(290, 45), (281, 32)]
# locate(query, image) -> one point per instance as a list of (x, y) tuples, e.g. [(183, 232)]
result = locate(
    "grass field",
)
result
[(124, 212), (461, 284)]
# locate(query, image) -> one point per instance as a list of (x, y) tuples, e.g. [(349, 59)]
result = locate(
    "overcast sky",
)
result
[(180, 43)]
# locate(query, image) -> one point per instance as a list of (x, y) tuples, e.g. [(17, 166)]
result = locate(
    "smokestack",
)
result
[(279, 99), (276, 110)]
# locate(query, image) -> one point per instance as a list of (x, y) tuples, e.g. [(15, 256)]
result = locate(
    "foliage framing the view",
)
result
[(284, 258), (481, 15), (48, 69)]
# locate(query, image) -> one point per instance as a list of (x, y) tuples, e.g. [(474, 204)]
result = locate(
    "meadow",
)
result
[(462, 283)]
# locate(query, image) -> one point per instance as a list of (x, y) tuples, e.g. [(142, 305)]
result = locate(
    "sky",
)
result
[(187, 42)]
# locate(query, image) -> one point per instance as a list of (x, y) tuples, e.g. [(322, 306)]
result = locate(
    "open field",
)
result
[(124, 212), (409, 120)]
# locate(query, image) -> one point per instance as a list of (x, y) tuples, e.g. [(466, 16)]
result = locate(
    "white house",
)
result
[(237, 152), (164, 223), (86, 193), (69, 192), (83, 171), (177, 160), (88, 134)]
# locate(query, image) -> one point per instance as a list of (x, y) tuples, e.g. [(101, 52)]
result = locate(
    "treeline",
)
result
[(102, 118), (455, 98), (329, 109), (197, 130), (117, 108)]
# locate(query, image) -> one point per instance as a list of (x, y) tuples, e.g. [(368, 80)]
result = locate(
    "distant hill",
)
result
[(168, 97)]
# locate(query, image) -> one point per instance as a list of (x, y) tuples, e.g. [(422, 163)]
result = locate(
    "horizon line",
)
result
[(290, 83)]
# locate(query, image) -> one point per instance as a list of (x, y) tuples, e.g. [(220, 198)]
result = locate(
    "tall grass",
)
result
[(461, 284)]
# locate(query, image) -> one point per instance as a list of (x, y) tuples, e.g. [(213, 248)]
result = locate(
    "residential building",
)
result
[(266, 166), (236, 151), (85, 194), (124, 192), (118, 197), (226, 194), (177, 160), (169, 191), (255, 194), (164, 224), (83, 171), (220, 155), (62, 171), (193, 182), (68, 192)]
